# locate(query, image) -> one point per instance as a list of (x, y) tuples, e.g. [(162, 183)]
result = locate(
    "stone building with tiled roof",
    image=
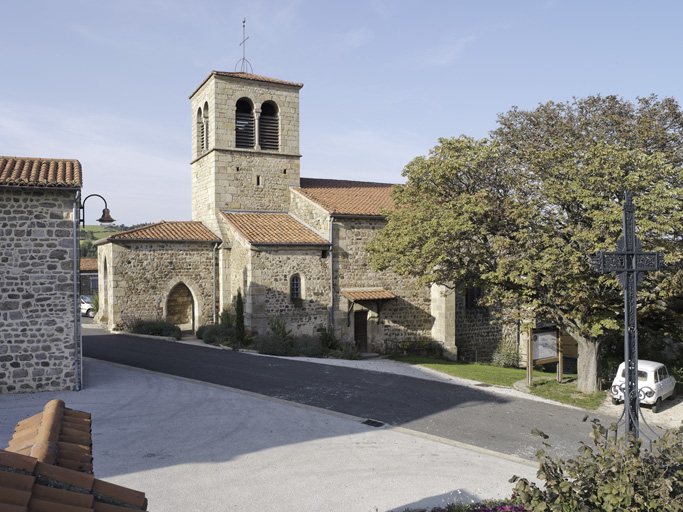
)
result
[(293, 247), (39, 303)]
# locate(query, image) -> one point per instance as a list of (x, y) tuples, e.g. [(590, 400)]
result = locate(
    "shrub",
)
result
[(505, 356), (308, 346), (272, 346), (345, 351), (614, 476), (226, 318), (327, 338), (218, 334), (154, 328), (240, 331), (200, 331), (279, 342)]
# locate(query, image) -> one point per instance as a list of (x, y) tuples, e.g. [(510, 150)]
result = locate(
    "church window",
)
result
[(472, 297), (244, 124), (259, 182), (203, 129), (200, 132), (205, 123), (295, 288), (269, 127)]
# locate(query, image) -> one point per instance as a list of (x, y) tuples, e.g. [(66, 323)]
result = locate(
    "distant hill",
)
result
[(91, 233)]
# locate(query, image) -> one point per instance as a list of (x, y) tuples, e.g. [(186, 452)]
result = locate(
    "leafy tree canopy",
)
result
[(521, 213)]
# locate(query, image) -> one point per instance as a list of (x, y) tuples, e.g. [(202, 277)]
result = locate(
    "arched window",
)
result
[(295, 288), (269, 127), (200, 132), (203, 129), (205, 123), (244, 124)]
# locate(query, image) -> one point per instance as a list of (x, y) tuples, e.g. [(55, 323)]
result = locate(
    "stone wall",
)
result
[(146, 274), (477, 333), (37, 323), (405, 319), (309, 213), (230, 178), (265, 273), (272, 270)]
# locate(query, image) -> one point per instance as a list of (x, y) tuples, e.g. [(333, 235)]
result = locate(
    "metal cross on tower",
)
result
[(629, 262), (245, 65)]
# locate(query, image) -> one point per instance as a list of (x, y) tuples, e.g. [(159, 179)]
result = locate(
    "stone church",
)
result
[(294, 247)]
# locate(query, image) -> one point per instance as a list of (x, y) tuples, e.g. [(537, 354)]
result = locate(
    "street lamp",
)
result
[(106, 218)]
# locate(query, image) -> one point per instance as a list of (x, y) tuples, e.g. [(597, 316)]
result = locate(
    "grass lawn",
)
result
[(482, 372), (100, 232)]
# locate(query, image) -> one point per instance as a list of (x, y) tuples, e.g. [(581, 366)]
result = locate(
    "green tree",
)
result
[(240, 331), (522, 212)]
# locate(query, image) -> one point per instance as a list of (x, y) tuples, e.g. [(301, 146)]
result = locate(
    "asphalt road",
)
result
[(461, 413)]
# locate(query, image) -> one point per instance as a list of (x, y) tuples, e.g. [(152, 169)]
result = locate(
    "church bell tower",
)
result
[(245, 145)]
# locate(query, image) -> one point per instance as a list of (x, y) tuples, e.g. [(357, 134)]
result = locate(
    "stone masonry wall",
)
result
[(405, 319), (146, 273), (272, 270), (309, 214), (230, 178), (37, 323), (477, 334)]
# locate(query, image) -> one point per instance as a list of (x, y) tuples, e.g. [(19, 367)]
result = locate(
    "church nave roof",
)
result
[(272, 229), (343, 197)]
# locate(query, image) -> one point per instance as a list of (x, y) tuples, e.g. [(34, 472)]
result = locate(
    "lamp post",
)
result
[(106, 218)]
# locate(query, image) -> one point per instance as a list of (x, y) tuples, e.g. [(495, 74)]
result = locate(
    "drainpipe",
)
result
[(78, 347), (213, 307), (331, 274)]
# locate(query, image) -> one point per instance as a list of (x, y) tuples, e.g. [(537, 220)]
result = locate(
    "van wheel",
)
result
[(91, 313), (615, 401), (657, 405)]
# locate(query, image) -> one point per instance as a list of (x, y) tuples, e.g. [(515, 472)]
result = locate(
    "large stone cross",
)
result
[(629, 262)]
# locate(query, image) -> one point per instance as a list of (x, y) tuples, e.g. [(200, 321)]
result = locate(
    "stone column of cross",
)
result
[(629, 262)]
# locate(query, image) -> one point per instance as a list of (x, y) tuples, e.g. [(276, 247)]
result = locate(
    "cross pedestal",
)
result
[(629, 262)]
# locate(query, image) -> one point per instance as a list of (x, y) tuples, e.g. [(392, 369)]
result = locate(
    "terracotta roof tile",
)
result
[(247, 76), (39, 172), (182, 231), (55, 436), (272, 229), (35, 483), (361, 294), (88, 265), (342, 197)]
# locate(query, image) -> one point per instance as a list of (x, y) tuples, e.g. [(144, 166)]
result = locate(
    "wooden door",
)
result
[(360, 330)]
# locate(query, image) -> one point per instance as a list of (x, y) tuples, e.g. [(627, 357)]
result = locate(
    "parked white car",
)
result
[(654, 384), (87, 307)]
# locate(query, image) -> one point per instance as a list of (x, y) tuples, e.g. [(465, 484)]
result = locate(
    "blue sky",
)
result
[(107, 82)]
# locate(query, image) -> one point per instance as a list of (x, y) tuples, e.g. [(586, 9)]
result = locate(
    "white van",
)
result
[(654, 384)]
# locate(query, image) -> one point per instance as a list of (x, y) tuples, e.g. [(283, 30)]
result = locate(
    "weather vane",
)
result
[(243, 63)]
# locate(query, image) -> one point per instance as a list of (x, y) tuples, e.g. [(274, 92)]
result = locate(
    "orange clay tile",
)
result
[(62, 481), (181, 231), (361, 294), (343, 197), (272, 229), (40, 172)]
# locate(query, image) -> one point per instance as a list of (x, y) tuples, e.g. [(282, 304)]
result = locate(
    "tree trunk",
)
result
[(589, 380)]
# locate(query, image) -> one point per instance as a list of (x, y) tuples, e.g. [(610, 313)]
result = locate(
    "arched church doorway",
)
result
[(180, 307)]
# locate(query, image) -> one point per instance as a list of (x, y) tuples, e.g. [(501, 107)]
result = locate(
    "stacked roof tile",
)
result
[(48, 467), (88, 264), (272, 228), (247, 76), (182, 231), (40, 172), (361, 294), (343, 197)]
